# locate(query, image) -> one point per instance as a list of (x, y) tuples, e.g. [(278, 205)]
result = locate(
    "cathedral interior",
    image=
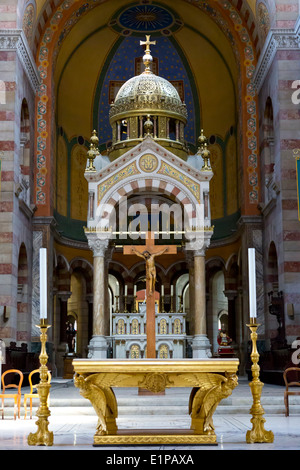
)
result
[(227, 71)]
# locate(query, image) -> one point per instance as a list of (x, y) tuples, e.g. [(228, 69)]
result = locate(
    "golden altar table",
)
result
[(211, 380)]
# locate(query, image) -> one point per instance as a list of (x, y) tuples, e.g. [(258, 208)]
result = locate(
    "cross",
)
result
[(148, 252), (147, 43), (147, 59)]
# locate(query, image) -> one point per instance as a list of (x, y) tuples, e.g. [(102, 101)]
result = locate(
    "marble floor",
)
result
[(74, 425), (75, 432)]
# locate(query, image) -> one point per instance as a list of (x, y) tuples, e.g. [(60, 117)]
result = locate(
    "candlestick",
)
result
[(252, 282), (134, 304), (125, 304), (257, 433), (42, 437), (43, 283), (117, 304)]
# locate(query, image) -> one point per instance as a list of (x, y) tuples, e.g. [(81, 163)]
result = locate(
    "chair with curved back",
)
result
[(291, 378), (31, 394), (16, 396)]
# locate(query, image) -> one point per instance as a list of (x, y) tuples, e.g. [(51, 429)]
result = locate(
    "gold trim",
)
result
[(108, 183), (158, 436), (210, 380)]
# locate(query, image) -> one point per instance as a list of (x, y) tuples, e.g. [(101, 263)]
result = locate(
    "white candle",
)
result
[(252, 282), (125, 291), (162, 290), (43, 283), (172, 289), (134, 291)]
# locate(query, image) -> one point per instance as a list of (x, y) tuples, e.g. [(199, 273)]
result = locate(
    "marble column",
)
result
[(201, 345), (98, 344), (63, 297), (191, 316)]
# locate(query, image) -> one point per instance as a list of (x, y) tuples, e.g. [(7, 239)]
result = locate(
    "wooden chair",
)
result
[(16, 396), (32, 395), (291, 378)]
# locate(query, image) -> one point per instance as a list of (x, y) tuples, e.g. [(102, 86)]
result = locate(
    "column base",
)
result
[(201, 347), (98, 348)]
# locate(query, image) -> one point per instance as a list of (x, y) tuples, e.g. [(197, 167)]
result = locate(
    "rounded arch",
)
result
[(83, 266), (114, 198), (25, 157), (62, 280), (23, 308), (272, 278), (236, 21)]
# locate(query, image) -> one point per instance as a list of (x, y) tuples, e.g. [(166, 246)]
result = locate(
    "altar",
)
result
[(129, 334), (210, 380)]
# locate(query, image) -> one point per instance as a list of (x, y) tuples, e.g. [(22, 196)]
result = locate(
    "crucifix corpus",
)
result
[(149, 252)]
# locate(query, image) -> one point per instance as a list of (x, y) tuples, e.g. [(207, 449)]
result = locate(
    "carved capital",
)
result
[(98, 242)]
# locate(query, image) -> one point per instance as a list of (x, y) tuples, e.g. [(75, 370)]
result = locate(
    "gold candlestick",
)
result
[(134, 305), (125, 304), (43, 437), (258, 432), (163, 304)]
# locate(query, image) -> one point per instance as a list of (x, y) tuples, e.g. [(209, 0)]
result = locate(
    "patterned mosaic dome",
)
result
[(148, 93), (147, 105)]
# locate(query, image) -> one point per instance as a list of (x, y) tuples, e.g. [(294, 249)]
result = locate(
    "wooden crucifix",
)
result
[(149, 252)]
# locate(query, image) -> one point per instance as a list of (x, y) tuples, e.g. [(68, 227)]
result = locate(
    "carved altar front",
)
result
[(211, 380)]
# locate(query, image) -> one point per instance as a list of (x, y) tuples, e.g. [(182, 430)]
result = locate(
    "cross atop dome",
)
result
[(147, 59)]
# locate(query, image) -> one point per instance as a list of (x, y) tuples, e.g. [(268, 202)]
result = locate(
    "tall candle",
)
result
[(43, 282), (125, 291), (134, 291), (172, 289), (162, 290), (252, 282)]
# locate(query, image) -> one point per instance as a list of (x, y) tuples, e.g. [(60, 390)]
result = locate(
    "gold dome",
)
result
[(148, 93), (144, 98)]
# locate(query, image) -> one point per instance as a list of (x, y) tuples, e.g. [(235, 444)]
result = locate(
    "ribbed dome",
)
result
[(147, 84), (147, 105), (148, 92)]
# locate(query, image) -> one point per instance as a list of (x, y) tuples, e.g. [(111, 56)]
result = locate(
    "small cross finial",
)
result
[(147, 59)]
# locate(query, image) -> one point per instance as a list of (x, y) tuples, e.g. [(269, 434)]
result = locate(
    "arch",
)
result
[(163, 351), (267, 152), (62, 274), (114, 198), (25, 158), (135, 351), (219, 304), (83, 266), (163, 327), (239, 30), (23, 310), (272, 278), (49, 9)]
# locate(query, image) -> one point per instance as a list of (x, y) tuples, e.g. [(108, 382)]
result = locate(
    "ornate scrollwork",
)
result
[(205, 398), (155, 382), (96, 388)]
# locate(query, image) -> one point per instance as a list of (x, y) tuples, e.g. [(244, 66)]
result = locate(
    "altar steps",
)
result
[(66, 399)]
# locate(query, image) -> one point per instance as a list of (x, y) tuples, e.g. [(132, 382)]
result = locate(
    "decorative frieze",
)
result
[(277, 39), (15, 40)]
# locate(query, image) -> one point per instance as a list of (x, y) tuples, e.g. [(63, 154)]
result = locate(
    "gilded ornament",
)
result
[(148, 163), (258, 432), (42, 437), (155, 382), (211, 381)]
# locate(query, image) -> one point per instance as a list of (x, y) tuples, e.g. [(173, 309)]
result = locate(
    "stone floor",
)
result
[(73, 420)]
